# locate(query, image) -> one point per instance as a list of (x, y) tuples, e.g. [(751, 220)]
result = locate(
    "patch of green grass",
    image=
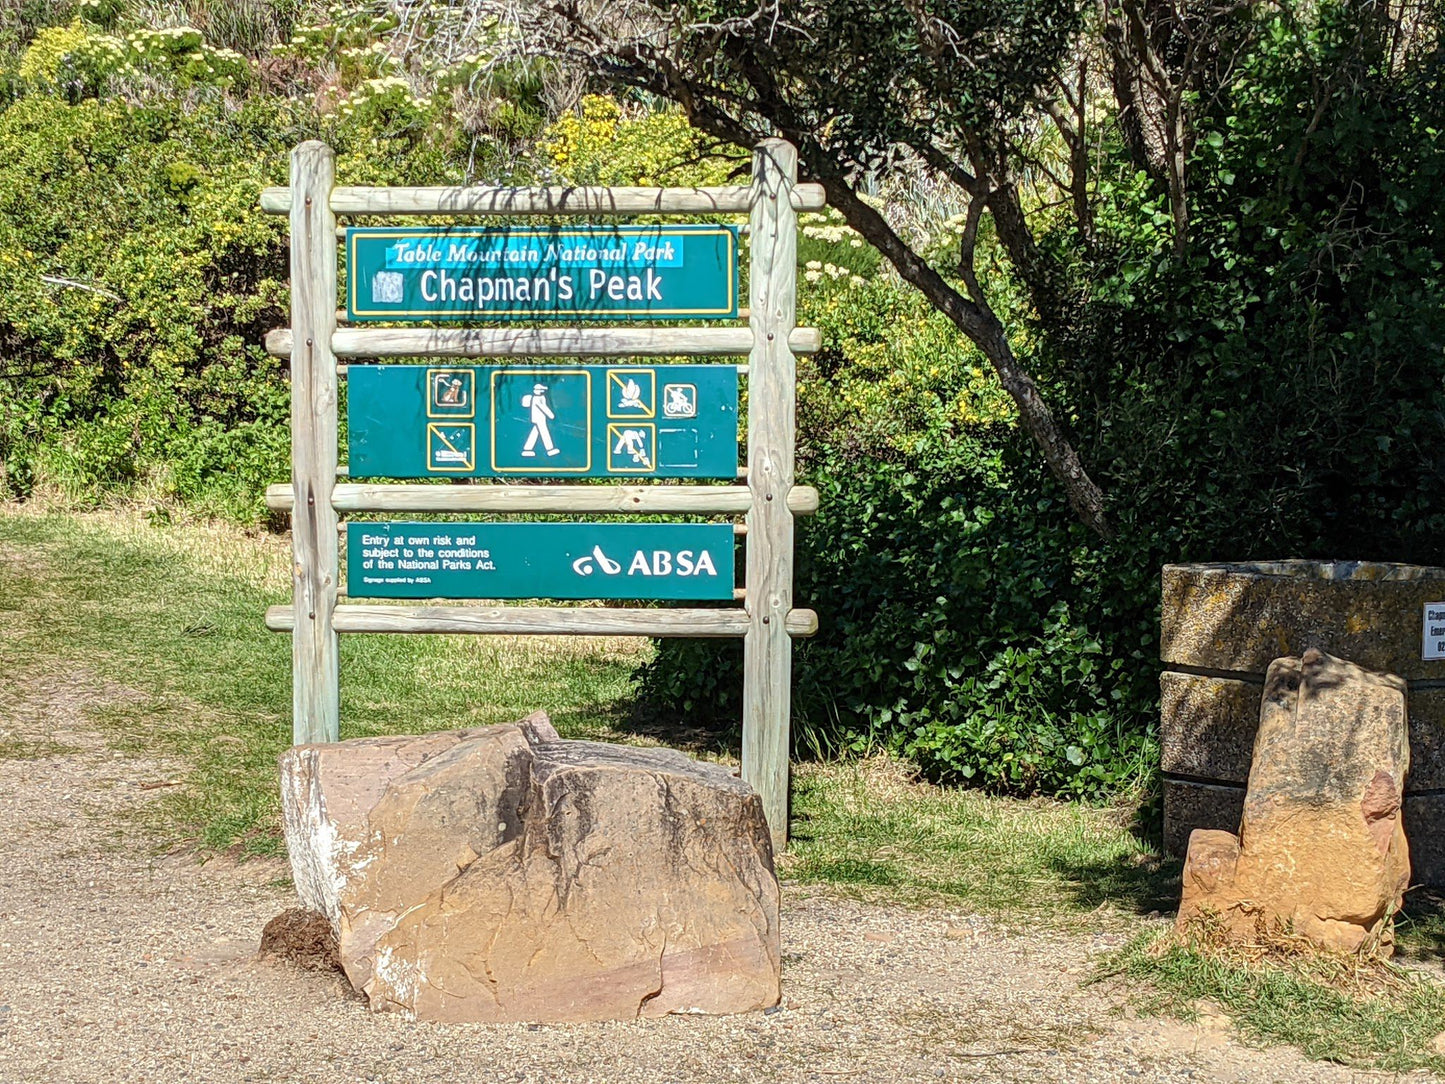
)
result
[(867, 826), (172, 616), (175, 613), (24, 749), (1382, 1017)]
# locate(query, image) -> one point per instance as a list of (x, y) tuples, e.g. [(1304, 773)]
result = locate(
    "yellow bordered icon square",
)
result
[(451, 393), (632, 393), (451, 447), (631, 448)]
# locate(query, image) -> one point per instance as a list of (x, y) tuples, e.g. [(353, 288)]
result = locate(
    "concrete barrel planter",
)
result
[(1222, 624)]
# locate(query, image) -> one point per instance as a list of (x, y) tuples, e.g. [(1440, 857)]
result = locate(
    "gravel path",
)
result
[(116, 965)]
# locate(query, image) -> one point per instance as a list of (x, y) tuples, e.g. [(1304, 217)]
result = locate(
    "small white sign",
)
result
[(679, 400), (1433, 638)]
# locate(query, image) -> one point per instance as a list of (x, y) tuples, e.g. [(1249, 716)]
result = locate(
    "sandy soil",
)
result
[(118, 965)]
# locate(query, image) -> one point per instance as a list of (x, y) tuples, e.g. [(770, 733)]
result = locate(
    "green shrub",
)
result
[(133, 311), (138, 275), (965, 621), (1279, 390), (599, 143)]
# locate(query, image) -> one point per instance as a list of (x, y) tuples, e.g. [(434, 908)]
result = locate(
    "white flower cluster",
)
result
[(178, 51), (375, 57), (104, 48), (815, 270), (347, 28), (392, 87), (183, 49), (954, 224), (376, 48), (829, 226)]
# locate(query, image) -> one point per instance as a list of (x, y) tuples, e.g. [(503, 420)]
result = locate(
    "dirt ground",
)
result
[(119, 965)]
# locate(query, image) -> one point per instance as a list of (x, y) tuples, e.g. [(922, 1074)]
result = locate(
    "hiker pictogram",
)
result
[(541, 414)]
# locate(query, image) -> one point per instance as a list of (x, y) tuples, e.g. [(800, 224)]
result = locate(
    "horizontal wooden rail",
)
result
[(354, 200), (543, 620), (543, 342), (341, 233), (545, 499), (740, 530)]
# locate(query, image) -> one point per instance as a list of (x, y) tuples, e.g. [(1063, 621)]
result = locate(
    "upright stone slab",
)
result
[(1223, 624), (1322, 847), (502, 875)]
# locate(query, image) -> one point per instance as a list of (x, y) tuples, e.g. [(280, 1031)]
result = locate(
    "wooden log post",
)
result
[(767, 646), (315, 675)]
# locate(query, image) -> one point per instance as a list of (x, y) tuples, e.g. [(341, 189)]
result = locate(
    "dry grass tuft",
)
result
[(1275, 943)]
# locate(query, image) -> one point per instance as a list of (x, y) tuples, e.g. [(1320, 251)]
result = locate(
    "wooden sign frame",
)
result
[(766, 619)]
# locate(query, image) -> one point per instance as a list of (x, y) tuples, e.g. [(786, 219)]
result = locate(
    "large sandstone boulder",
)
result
[(1321, 846), (500, 874)]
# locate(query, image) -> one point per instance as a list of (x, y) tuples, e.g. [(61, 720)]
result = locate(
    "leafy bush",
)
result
[(132, 312), (959, 605), (138, 275), (599, 144), (79, 61), (1281, 388)]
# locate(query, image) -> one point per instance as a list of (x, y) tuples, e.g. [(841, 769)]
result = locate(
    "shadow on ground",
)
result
[(1420, 928), (1152, 885), (668, 728), (1142, 885)]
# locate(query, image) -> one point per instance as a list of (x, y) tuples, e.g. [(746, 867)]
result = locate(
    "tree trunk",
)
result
[(985, 330)]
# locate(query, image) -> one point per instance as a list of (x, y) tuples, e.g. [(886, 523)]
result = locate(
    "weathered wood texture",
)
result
[(766, 621), (543, 201), (767, 648), (315, 677), (545, 620), (390, 342), (539, 499)]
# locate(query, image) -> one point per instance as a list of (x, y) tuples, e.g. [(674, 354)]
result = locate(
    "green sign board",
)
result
[(539, 560), (551, 273), (586, 421)]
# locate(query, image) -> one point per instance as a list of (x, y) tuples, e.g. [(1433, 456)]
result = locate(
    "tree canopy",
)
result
[(862, 89)]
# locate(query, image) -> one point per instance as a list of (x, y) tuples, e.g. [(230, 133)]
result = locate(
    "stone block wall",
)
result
[(1223, 624)]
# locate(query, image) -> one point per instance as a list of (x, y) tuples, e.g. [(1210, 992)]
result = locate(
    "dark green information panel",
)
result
[(558, 272), (539, 560), (587, 421)]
